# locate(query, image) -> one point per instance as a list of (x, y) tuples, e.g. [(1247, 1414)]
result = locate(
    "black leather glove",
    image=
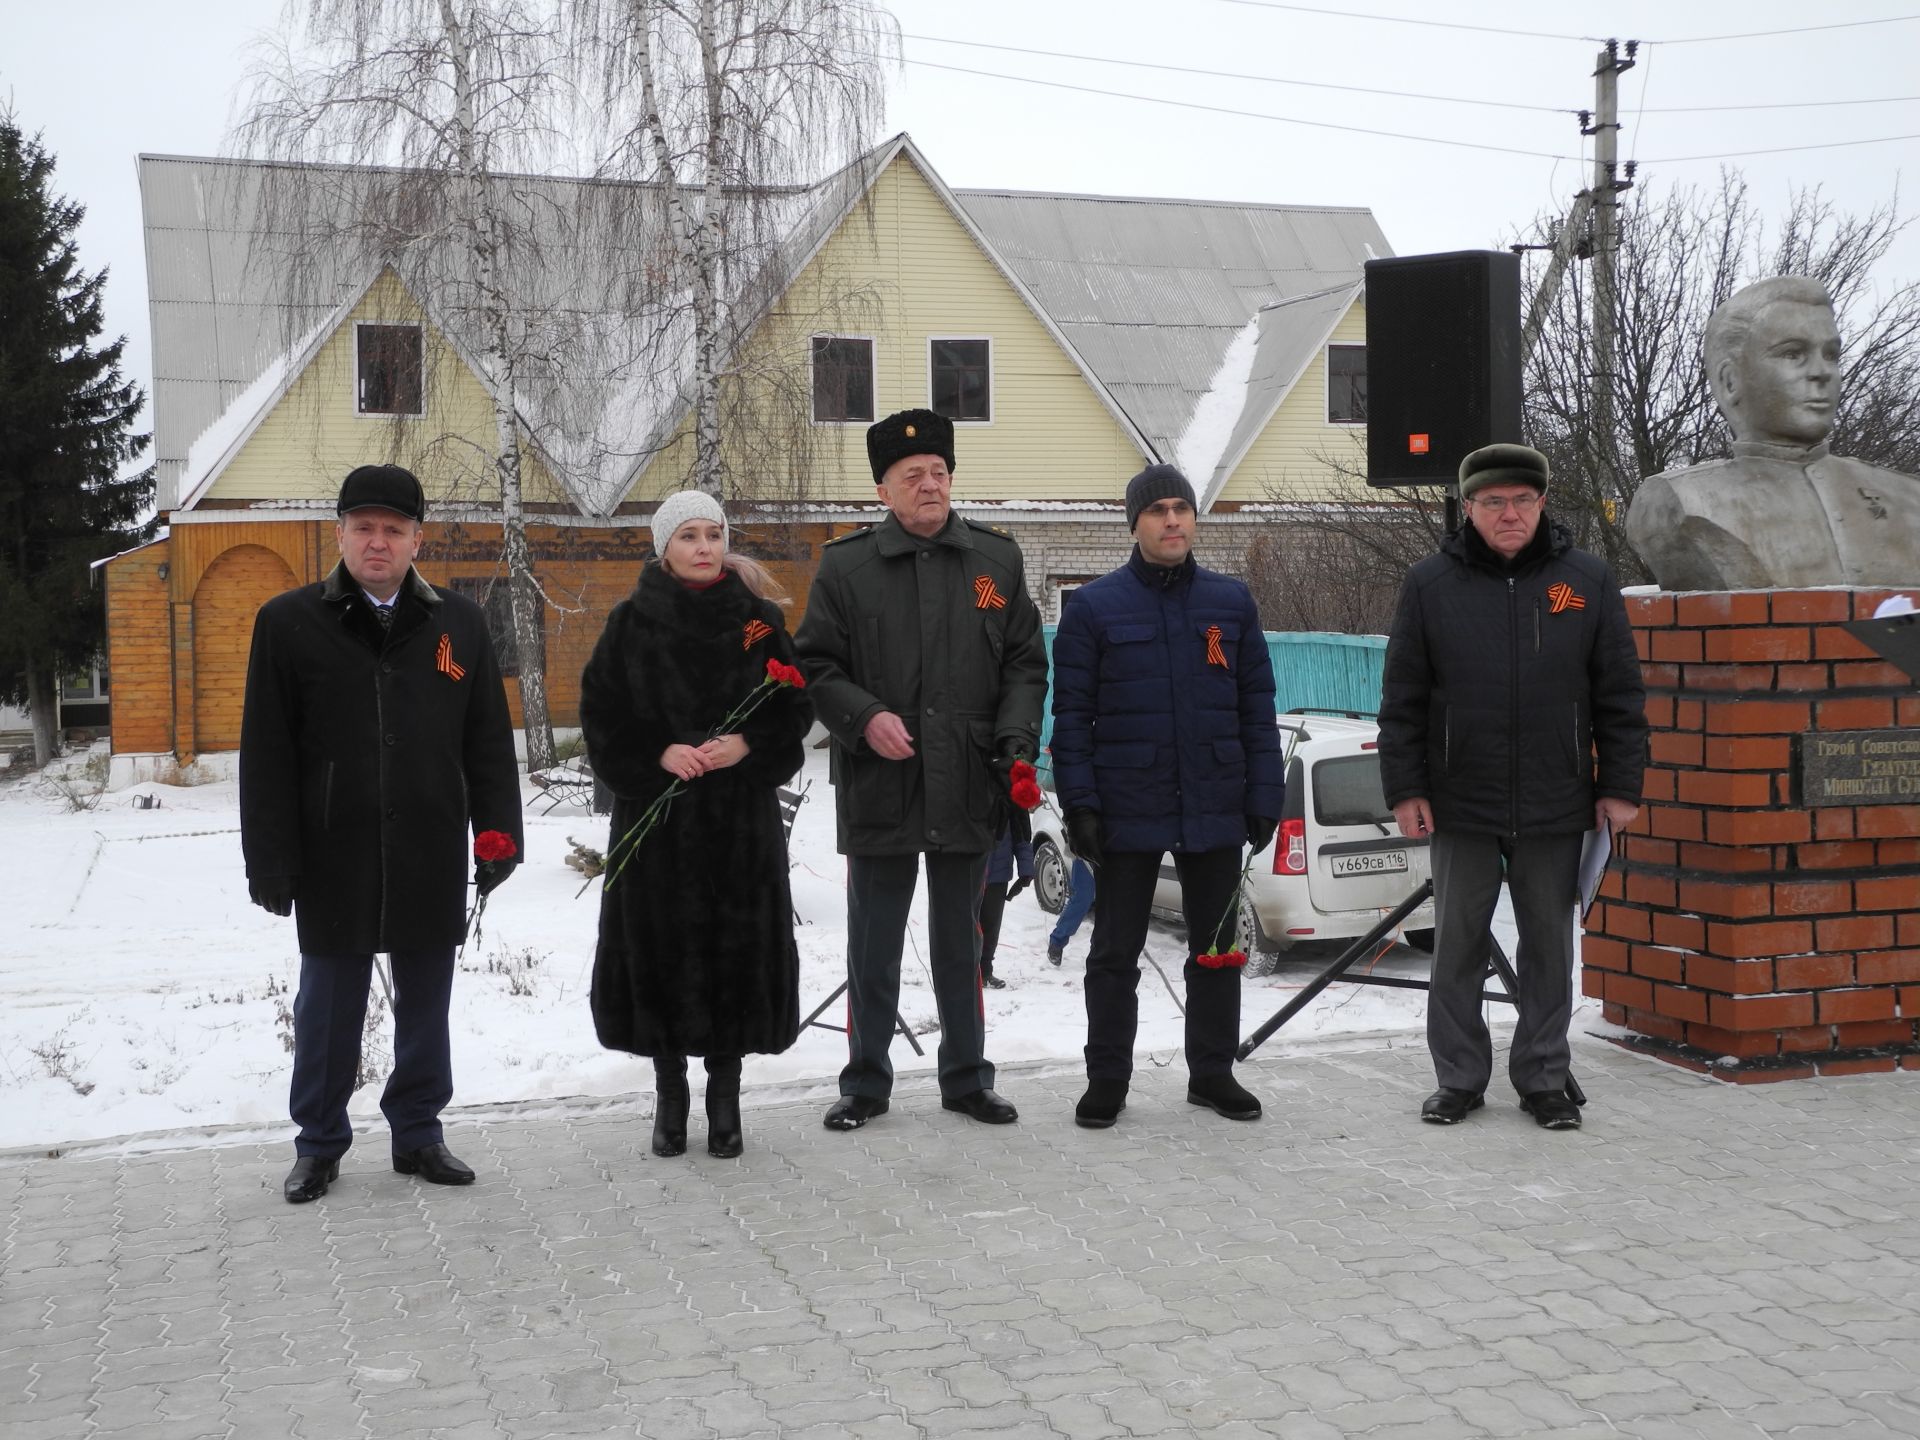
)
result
[(272, 893), (1083, 834), (1259, 831), (1017, 886), (492, 875)]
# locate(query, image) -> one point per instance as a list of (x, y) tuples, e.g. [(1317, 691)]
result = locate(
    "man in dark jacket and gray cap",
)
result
[(923, 655), (1164, 742), (1512, 721), (375, 743)]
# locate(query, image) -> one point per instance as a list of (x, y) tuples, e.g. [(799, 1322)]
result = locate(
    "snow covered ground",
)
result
[(143, 992)]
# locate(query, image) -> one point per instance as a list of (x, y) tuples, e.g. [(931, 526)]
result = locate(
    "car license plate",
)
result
[(1371, 862)]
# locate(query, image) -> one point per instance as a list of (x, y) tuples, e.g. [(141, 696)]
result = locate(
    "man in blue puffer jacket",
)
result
[(1164, 741)]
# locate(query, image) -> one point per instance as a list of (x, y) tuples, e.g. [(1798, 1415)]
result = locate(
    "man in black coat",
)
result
[(1512, 721), (923, 654), (375, 736)]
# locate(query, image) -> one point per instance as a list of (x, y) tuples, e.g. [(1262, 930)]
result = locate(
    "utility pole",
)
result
[(1604, 199)]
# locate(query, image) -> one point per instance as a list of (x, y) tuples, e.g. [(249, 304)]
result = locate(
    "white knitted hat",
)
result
[(682, 506)]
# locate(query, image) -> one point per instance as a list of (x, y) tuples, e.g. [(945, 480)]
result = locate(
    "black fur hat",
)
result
[(909, 432)]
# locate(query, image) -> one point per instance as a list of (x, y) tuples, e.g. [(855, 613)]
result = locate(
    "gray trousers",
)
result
[(1542, 874), (879, 895)]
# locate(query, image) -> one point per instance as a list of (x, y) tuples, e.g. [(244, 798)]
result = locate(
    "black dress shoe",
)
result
[(1101, 1105), (1447, 1106), (1223, 1095), (982, 1105), (309, 1178), (433, 1163), (1552, 1109), (850, 1112)]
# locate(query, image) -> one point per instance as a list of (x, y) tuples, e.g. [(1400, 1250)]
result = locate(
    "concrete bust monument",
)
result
[(1783, 512)]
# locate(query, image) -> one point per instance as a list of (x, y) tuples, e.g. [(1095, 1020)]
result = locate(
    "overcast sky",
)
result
[(105, 80)]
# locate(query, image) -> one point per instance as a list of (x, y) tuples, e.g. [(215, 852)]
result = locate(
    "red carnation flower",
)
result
[(1215, 960), (491, 845), (1024, 786), (781, 674)]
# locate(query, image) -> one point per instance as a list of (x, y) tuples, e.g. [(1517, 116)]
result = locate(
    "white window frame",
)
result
[(99, 694), (360, 414), (873, 349), (1326, 382), (993, 400)]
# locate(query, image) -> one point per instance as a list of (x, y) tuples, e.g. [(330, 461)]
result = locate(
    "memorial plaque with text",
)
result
[(1860, 767)]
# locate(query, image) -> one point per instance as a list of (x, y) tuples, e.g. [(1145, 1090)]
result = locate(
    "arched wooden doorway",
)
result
[(227, 598)]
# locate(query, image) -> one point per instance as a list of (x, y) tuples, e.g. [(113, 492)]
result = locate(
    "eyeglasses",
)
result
[(1498, 504)]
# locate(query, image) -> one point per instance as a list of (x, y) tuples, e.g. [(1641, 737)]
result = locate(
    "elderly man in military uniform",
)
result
[(1783, 512), (923, 653)]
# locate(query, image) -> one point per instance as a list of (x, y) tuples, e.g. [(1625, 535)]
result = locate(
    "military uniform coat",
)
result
[(942, 632), (696, 954), (369, 757)]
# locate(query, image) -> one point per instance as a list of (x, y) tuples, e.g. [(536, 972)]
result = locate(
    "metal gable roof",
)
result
[(1152, 292)]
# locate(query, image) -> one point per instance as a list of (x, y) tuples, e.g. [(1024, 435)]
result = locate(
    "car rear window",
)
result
[(1346, 791)]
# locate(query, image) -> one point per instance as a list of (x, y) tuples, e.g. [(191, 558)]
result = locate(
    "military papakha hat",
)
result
[(1503, 465), (908, 432)]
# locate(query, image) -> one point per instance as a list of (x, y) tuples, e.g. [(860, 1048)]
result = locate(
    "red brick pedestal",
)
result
[(1747, 933)]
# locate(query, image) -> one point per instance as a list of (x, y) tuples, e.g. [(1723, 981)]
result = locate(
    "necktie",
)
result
[(385, 612)]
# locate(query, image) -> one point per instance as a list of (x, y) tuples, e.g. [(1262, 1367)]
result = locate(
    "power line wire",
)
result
[(1239, 75), (1550, 35), (1403, 20), (1781, 149), (1797, 30), (1241, 114), (1386, 134), (1392, 93)]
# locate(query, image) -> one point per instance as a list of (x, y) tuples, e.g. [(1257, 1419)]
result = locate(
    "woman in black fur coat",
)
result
[(696, 953)]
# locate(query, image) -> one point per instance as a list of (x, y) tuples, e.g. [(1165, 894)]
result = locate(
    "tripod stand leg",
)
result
[(899, 1021), (1498, 964)]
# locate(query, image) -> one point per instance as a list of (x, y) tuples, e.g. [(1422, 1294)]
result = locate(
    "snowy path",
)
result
[(143, 992)]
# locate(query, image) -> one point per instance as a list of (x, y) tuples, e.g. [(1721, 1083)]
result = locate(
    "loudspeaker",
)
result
[(1443, 362)]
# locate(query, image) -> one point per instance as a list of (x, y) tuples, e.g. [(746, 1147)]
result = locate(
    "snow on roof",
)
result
[(1203, 444)]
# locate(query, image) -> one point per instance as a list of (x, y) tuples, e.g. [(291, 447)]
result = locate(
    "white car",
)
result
[(1337, 864)]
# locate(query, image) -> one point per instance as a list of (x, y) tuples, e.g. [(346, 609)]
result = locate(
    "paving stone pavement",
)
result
[(1702, 1261)]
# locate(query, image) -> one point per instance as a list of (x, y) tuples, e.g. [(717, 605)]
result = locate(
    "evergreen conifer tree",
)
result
[(65, 441)]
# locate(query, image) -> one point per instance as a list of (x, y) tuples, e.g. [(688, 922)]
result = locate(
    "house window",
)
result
[(88, 684), (1346, 384), (491, 595), (389, 369), (842, 379), (962, 380)]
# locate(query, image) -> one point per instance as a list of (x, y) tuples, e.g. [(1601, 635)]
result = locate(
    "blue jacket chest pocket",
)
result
[(1128, 651)]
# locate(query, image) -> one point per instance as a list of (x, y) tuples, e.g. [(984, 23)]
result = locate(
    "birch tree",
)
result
[(464, 100), (729, 108)]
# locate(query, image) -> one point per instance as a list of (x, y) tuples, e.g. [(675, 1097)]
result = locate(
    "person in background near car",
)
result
[(1012, 857), (1080, 889), (924, 657), (1164, 740), (696, 954), (1510, 668), (375, 735)]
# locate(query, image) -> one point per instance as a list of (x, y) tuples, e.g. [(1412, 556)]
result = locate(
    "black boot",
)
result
[(723, 1106), (670, 1101)]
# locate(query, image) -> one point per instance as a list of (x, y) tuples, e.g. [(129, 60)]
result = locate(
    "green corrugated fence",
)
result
[(1313, 670)]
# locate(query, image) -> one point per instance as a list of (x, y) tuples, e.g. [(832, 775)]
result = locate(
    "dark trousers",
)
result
[(993, 907), (1210, 899), (879, 894), (329, 1013), (1542, 873)]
